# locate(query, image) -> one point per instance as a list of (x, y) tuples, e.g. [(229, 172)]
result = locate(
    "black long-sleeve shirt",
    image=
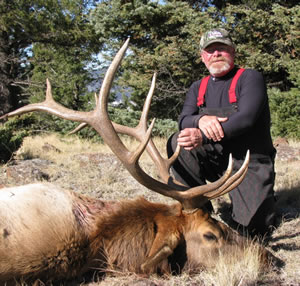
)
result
[(249, 127)]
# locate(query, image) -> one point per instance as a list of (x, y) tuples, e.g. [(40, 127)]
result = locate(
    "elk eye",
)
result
[(210, 236)]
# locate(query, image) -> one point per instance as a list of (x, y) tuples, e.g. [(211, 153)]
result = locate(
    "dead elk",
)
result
[(50, 234)]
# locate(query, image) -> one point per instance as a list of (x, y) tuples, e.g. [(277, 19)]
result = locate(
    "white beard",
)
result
[(215, 71)]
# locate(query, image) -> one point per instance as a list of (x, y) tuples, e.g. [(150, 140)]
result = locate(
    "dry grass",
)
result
[(235, 269), (91, 168), (81, 165), (232, 269)]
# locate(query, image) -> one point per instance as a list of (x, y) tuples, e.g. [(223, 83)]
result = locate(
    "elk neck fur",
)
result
[(141, 228), (57, 233)]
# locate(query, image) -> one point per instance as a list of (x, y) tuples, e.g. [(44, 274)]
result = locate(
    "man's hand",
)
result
[(211, 127), (189, 138)]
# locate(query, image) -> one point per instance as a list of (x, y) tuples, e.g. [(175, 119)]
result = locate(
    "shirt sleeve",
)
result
[(189, 116)]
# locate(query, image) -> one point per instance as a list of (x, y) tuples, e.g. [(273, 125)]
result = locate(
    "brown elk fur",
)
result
[(49, 233), (140, 228)]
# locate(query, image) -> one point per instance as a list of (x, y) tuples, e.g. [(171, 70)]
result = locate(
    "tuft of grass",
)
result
[(63, 147), (235, 268)]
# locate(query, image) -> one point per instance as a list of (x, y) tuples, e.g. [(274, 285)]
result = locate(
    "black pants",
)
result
[(252, 201)]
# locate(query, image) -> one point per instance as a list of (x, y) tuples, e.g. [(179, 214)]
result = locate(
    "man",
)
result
[(215, 122)]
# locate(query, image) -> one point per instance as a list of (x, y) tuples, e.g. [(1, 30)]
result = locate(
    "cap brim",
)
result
[(228, 43)]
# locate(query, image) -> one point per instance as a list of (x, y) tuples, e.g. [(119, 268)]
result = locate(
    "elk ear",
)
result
[(157, 257), (166, 240)]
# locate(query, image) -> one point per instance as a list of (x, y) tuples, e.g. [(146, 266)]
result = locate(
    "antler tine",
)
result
[(233, 181), (78, 128), (139, 132), (229, 184), (52, 107), (162, 164)]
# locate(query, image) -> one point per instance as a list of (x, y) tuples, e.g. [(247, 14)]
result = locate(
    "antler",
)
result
[(98, 119)]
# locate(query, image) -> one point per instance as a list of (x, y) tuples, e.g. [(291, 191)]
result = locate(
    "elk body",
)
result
[(49, 233)]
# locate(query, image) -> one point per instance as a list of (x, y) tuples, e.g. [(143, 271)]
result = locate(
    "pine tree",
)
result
[(29, 26)]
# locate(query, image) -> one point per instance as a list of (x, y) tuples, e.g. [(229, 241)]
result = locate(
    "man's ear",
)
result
[(201, 56), (233, 52)]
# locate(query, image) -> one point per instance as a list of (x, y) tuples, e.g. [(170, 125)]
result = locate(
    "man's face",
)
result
[(218, 58)]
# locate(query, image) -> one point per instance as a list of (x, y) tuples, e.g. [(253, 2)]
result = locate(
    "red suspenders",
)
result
[(202, 90), (231, 92)]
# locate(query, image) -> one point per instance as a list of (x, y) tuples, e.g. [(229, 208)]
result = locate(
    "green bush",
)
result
[(12, 134), (162, 127), (285, 113)]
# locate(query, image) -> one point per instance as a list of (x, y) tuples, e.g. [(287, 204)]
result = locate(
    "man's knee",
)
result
[(172, 144), (263, 222)]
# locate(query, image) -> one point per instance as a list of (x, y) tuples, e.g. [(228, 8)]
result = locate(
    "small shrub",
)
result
[(164, 127), (13, 132), (285, 111), (10, 141)]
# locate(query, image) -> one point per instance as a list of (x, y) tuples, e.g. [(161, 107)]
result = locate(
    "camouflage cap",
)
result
[(217, 35)]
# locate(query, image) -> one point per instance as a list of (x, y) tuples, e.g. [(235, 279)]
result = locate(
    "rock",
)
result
[(142, 282), (27, 171), (287, 153), (280, 141), (48, 147)]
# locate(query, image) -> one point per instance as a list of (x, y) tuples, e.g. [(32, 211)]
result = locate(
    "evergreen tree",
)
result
[(164, 39), (30, 26), (39, 39)]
